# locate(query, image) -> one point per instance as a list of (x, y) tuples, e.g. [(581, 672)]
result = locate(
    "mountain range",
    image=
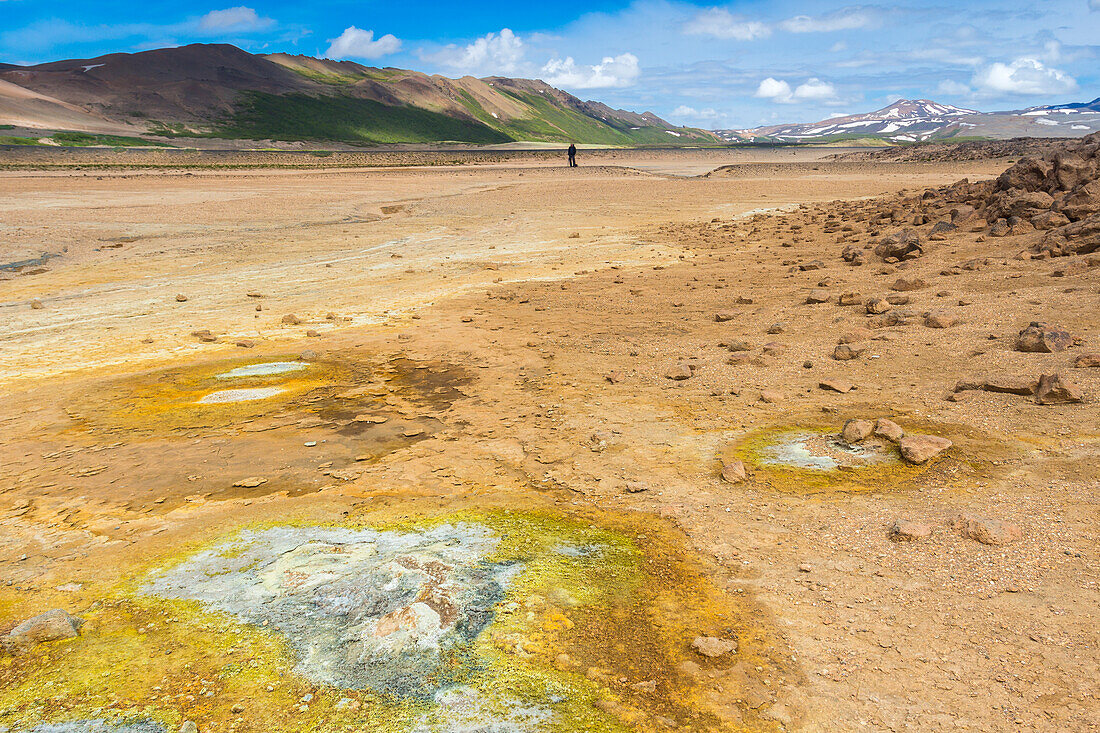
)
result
[(221, 91), (908, 121)]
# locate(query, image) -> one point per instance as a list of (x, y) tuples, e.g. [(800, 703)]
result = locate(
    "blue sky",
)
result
[(714, 65)]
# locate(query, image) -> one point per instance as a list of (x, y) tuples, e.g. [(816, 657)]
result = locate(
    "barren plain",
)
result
[(505, 446)]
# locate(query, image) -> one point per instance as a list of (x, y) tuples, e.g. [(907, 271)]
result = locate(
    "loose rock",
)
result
[(836, 385), (1041, 338), (889, 430), (52, 625), (734, 471), (856, 431), (904, 530), (918, 449), (987, 531), (1054, 390), (713, 646)]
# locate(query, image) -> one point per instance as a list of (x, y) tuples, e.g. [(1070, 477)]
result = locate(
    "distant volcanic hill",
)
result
[(918, 120), (221, 91)]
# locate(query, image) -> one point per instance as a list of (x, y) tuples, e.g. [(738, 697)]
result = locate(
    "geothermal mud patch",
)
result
[(298, 425), (811, 457), (469, 621)]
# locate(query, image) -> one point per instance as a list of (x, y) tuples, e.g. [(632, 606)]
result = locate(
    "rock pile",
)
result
[(1053, 196), (915, 449)]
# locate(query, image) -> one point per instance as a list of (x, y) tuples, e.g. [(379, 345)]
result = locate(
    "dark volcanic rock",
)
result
[(904, 245), (1041, 338)]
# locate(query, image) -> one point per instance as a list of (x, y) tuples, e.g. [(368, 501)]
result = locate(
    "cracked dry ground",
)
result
[(492, 372)]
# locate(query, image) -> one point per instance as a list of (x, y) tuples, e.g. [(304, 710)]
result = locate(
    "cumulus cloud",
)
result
[(845, 19), (612, 71), (361, 44), (721, 23), (776, 89), (493, 53), (234, 19), (812, 90), (1023, 76)]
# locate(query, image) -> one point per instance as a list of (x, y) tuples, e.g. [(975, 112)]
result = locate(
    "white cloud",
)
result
[(723, 24), (812, 90), (613, 71), (1023, 76), (234, 19), (954, 88), (493, 53), (816, 90), (773, 89), (360, 44), (845, 19), (838, 47)]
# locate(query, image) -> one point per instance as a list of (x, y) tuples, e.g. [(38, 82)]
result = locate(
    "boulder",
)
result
[(904, 530), (943, 227), (1071, 170), (875, 306), (836, 385), (733, 471), (679, 372), (962, 214), (844, 352), (987, 531), (1054, 390), (1083, 202), (819, 296), (1028, 174), (1087, 361), (905, 284), (856, 431), (903, 245), (52, 625), (1041, 338), (889, 430), (723, 316), (918, 449), (1019, 203), (941, 319), (1049, 220), (1023, 386), (850, 298)]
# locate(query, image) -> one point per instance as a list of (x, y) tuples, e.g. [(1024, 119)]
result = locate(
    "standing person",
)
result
[(572, 155)]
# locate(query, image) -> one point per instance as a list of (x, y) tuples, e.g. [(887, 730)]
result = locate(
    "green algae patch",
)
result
[(541, 622)]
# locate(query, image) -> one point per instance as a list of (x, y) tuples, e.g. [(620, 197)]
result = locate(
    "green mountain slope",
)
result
[(218, 90)]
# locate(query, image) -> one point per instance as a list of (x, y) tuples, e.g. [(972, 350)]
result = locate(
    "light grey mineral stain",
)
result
[(95, 726), (363, 609), (263, 370), (239, 395), (819, 452)]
